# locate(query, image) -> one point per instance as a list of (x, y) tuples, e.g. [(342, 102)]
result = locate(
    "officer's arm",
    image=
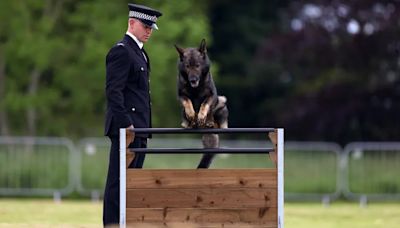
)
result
[(117, 71)]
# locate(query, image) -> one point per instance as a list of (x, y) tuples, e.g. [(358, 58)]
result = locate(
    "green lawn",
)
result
[(45, 213), (343, 215)]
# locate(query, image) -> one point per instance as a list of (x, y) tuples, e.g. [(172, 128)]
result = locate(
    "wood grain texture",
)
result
[(191, 225), (257, 216), (273, 136), (201, 198), (130, 136), (207, 178)]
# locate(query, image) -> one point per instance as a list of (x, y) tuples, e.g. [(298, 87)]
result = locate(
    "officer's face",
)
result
[(141, 30)]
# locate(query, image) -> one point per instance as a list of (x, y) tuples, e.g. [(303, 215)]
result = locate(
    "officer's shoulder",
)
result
[(120, 44), (119, 47)]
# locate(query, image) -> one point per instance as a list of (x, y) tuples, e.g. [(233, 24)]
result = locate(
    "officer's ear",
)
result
[(131, 22)]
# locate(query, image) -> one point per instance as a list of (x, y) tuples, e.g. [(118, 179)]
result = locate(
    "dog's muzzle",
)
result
[(194, 81)]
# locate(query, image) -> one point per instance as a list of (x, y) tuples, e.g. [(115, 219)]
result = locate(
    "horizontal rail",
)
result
[(200, 130), (202, 151)]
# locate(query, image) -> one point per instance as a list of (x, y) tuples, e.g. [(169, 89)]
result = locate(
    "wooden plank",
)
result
[(212, 178), (201, 198), (254, 216), (130, 136), (274, 139), (202, 225)]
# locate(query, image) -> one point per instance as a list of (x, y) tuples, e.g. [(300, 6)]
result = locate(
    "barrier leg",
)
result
[(280, 167), (122, 177)]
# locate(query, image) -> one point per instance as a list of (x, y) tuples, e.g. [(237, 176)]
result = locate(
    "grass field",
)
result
[(45, 213)]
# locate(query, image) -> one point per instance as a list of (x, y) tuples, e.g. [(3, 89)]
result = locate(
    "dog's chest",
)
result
[(197, 101), (198, 97)]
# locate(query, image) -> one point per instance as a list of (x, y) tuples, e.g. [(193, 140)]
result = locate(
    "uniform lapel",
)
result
[(147, 58), (138, 51)]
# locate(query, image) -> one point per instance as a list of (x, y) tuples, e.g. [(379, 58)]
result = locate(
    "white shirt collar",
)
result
[(140, 44)]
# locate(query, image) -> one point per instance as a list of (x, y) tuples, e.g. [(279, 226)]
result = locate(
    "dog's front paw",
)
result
[(201, 117), (193, 124), (190, 116), (189, 124), (202, 114), (185, 124), (201, 122), (209, 124)]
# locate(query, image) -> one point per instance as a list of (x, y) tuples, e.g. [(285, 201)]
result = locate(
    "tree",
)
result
[(333, 71), (52, 62), (238, 28), (28, 45)]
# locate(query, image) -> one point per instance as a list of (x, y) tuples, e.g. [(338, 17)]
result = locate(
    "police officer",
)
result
[(128, 98)]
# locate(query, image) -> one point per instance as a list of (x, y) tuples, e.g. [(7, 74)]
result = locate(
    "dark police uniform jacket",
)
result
[(127, 88)]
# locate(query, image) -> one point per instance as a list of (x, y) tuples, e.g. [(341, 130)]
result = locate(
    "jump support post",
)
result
[(202, 197)]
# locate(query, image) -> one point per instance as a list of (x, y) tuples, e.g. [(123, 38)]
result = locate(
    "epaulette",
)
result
[(120, 44)]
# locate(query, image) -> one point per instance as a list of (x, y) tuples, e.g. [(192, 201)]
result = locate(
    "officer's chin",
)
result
[(146, 39)]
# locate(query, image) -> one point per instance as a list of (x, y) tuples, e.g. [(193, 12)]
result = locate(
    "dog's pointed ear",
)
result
[(203, 48), (180, 51)]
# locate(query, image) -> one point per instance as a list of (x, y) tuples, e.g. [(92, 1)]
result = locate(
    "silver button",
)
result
[(133, 109), (141, 68)]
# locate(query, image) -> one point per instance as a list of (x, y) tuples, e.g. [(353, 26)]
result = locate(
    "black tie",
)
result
[(144, 55)]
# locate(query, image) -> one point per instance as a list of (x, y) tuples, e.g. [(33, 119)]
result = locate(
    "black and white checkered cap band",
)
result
[(144, 16)]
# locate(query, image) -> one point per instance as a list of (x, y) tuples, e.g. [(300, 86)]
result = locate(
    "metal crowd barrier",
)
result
[(37, 166), (51, 166), (371, 171)]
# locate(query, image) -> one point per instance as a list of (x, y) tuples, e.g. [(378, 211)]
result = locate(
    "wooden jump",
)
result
[(202, 197)]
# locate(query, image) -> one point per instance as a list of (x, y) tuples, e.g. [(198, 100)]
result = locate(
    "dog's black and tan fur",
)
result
[(202, 107)]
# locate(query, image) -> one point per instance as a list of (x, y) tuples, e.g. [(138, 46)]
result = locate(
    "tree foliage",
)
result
[(324, 70), (52, 62), (238, 28), (332, 73)]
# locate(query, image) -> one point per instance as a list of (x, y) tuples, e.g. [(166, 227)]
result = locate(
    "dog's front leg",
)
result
[(203, 112), (189, 112)]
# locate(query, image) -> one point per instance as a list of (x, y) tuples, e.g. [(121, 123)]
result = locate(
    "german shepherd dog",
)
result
[(201, 105)]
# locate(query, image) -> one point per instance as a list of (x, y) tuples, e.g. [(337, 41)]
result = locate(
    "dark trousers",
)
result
[(111, 193)]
